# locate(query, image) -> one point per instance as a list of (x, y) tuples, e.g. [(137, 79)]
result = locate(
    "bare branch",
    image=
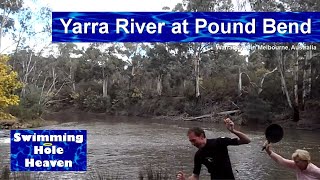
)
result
[(264, 76)]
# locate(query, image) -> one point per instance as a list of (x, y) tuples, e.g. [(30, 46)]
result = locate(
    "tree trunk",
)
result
[(304, 93), (54, 76), (306, 88), (240, 83), (296, 80), (159, 85), (197, 74), (71, 76), (131, 77), (283, 81), (296, 107), (27, 68), (42, 90), (309, 80), (105, 86)]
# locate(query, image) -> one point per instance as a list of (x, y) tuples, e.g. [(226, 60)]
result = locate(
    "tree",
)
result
[(198, 50), (7, 8), (8, 84), (159, 60)]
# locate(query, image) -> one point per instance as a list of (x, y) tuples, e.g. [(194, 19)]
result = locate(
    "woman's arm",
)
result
[(279, 159), (316, 171)]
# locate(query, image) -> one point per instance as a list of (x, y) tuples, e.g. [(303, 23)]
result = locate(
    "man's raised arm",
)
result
[(243, 138)]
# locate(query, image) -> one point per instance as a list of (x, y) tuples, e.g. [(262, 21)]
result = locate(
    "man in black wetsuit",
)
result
[(213, 153)]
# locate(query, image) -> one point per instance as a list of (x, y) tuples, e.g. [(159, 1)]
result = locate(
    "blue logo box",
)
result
[(48, 150), (185, 27)]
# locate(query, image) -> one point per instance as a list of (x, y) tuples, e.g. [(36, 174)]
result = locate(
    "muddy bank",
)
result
[(250, 111), (19, 124), (284, 119), (182, 109)]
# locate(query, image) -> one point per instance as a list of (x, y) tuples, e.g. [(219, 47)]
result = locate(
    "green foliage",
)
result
[(120, 104), (8, 85), (8, 7), (91, 101), (220, 88), (29, 107), (272, 92), (136, 93), (95, 103), (312, 111), (256, 110), (189, 90)]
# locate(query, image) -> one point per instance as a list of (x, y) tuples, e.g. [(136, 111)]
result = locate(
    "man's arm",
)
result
[(243, 138), (196, 170), (193, 177)]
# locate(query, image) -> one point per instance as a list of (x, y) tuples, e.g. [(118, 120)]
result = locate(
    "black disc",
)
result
[(274, 133)]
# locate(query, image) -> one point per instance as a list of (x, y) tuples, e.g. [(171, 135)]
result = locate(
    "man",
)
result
[(213, 153)]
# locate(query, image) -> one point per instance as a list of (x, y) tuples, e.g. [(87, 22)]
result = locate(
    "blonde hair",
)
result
[(302, 155)]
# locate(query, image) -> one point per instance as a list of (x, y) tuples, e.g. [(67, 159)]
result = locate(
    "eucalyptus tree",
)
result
[(160, 58), (196, 50), (289, 64), (8, 8)]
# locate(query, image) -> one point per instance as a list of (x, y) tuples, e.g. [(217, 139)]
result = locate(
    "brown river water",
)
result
[(124, 146)]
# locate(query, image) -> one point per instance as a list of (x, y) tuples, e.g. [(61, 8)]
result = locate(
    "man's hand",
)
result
[(243, 138), (229, 124), (180, 176)]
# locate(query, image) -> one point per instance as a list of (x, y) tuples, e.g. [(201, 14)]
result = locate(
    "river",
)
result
[(124, 146)]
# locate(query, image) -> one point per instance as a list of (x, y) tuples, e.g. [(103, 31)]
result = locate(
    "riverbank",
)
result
[(20, 124), (72, 114)]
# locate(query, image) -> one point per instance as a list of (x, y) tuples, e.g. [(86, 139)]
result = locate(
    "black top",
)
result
[(214, 155)]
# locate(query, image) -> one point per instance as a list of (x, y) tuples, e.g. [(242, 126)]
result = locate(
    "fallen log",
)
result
[(197, 118), (228, 112), (209, 115)]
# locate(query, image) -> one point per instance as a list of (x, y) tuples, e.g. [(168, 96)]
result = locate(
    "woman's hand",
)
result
[(267, 146)]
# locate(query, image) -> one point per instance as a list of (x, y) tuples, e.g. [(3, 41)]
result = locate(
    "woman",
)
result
[(300, 163)]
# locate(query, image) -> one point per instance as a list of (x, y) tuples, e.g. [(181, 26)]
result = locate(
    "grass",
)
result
[(153, 173)]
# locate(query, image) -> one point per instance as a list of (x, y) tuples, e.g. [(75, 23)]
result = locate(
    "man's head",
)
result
[(197, 137), (301, 158)]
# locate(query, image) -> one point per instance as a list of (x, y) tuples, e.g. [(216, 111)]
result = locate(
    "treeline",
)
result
[(166, 79), (170, 78)]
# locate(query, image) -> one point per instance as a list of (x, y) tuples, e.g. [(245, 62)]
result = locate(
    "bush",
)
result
[(256, 110), (91, 101), (151, 173), (29, 107), (220, 88)]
